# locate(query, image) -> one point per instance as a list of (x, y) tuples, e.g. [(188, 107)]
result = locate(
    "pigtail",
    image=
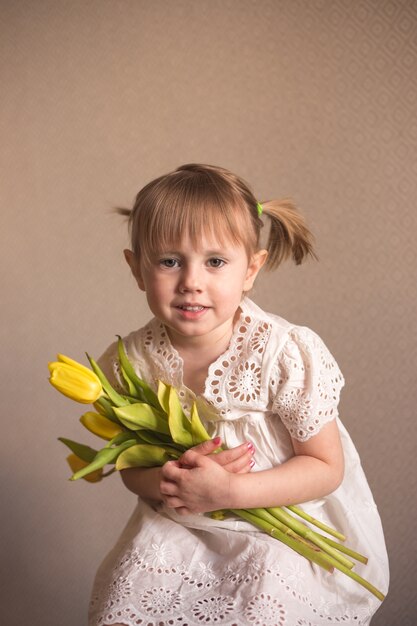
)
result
[(123, 211), (289, 235)]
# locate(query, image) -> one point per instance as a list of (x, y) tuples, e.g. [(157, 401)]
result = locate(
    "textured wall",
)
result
[(313, 99)]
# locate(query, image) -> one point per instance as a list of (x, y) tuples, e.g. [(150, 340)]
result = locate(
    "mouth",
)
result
[(193, 308)]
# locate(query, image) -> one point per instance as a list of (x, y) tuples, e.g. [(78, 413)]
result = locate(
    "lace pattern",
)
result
[(267, 366), (309, 384), (251, 589), (276, 380)]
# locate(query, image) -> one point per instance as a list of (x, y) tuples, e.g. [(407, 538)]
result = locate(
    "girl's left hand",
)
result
[(238, 460), (195, 484)]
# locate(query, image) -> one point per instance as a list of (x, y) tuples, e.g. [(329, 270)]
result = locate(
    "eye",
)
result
[(169, 263), (216, 262)]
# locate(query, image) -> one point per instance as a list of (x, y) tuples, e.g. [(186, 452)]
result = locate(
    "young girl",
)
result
[(267, 390)]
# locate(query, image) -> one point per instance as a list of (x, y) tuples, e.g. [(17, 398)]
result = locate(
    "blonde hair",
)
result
[(203, 199)]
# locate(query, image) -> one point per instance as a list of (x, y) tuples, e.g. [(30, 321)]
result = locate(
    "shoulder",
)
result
[(286, 338), (273, 328)]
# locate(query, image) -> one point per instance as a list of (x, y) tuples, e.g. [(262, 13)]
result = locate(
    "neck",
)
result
[(198, 355), (216, 342)]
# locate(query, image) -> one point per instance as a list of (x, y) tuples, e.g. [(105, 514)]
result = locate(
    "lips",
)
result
[(193, 308)]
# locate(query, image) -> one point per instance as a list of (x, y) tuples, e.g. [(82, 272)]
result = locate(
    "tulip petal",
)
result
[(66, 359), (99, 425), (81, 386)]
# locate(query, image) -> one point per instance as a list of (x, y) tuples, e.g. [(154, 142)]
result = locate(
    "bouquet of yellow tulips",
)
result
[(144, 428)]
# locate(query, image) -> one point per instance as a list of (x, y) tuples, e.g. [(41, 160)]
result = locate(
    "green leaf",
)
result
[(179, 424), (163, 395), (198, 432), (130, 386), (143, 455), (102, 458), (120, 438), (144, 391), (154, 438), (104, 407), (79, 449), (114, 397), (141, 415)]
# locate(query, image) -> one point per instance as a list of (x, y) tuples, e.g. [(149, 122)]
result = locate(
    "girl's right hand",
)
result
[(237, 460)]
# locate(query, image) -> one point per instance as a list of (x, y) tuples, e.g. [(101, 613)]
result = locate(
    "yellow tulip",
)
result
[(76, 464), (99, 425), (74, 380)]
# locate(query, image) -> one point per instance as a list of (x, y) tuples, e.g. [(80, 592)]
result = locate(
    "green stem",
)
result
[(305, 532), (316, 522), (360, 580), (342, 548), (270, 526), (264, 520)]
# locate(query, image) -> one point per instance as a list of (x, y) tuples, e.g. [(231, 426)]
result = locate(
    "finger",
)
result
[(172, 502), (168, 488), (171, 471), (227, 457), (208, 447), (191, 459), (182, 510), (242, 465)]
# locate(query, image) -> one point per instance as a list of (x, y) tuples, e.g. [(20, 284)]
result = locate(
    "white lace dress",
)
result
[(275, 380)]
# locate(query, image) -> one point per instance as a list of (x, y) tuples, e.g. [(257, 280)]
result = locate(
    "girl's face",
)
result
[(196, 293)]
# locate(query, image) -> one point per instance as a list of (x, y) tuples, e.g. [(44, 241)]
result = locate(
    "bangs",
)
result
[(193, 205)]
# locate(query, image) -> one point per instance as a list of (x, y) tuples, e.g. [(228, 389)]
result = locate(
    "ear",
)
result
[(255, 264), (134, 265)]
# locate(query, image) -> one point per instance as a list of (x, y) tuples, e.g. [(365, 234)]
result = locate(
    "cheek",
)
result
[(157, 287)]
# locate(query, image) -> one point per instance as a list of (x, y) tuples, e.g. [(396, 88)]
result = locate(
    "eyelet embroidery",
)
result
[(188, 596), (304, 383), (213, 610), (238, 373), (244, 382), (160, 602), (306, 361), (235, 379), (263, 610)]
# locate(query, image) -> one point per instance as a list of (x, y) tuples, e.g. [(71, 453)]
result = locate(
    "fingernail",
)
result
[(217, 440), (251, 447), (252, 463)]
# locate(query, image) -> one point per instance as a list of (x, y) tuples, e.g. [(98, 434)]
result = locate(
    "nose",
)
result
[(191, 279)]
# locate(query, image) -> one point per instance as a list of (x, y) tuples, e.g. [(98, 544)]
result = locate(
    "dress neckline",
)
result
[(224, 356)]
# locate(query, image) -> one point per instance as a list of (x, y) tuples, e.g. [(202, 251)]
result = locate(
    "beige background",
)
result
[(313, 99)]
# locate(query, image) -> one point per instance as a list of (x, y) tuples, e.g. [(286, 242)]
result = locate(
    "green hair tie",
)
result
[(259, 208)]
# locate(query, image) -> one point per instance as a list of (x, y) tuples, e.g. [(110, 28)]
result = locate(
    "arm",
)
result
[(145, 482), (315, 471)]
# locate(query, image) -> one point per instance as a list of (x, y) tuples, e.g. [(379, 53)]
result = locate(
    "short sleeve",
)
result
[(309, 384)]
